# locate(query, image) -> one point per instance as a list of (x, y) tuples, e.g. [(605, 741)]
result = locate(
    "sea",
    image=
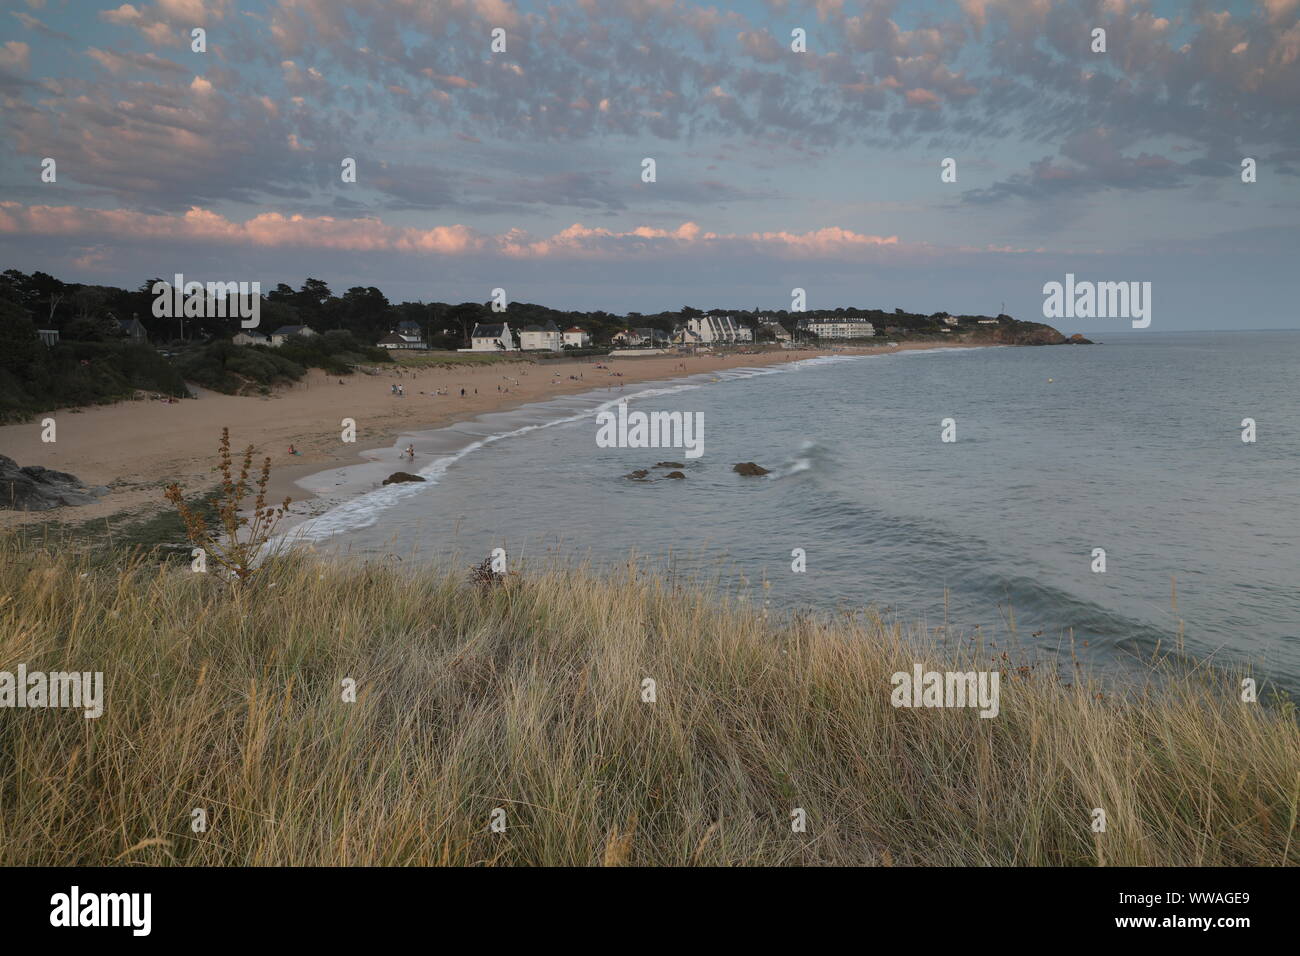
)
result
[(1133, 448)]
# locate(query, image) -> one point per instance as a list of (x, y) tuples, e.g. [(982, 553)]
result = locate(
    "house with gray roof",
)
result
[(491, 338)]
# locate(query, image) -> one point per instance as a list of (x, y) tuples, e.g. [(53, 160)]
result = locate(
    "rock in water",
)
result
[(670, 464), (637, 475), (399, 476), (39, 489), (674, 474), (749, 468)]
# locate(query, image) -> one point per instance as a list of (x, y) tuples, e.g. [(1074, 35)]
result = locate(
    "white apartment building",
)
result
[(839, 327), (713, 329)]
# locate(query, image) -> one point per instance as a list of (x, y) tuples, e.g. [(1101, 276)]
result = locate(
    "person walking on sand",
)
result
[(410, 452)]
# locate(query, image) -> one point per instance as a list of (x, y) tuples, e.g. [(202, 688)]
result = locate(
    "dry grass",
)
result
[(527, 697)]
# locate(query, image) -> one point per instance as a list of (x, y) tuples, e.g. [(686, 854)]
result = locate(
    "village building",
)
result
[(133, 330), (838, 327), (395, 341), (575, 338), (711, 330), (251, 337), (541, 338), (771, 325), (408, 336), (491, 338), (286, 332), (641, 336)]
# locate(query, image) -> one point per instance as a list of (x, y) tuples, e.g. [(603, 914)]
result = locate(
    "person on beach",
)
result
[(410, 452)]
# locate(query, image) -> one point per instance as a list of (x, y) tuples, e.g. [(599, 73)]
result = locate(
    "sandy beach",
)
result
[(136, 448)]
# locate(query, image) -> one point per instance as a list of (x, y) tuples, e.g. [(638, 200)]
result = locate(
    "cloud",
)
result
[(671, 74), (36, 26), (125, 14), (371, 234), (116, 62), (1090, 161), (15, 57)]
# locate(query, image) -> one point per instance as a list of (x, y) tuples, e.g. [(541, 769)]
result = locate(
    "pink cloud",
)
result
[(922, 98), (369, 234)]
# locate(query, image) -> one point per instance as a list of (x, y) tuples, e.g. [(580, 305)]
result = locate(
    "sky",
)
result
[(775, 169)]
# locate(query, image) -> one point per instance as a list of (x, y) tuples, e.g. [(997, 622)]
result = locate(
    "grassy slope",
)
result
[(528, 698)]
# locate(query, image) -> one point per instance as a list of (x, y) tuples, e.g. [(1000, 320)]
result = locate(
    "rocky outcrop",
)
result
[(34, 488), (749, 468), (1025, 333), (398, 477), (1078, 339), (674, 474), (670, 464), (638, 475)]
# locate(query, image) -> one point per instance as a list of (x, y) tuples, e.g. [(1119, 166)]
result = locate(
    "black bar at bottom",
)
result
[(335, 905)]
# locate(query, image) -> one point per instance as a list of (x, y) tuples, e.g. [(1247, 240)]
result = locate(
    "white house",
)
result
[(947, 319), (491, 338), (285, 332), (710, 329), (642, 336), (838, 327), (540, 338), (575, 338), (402, 340), (251, 337)]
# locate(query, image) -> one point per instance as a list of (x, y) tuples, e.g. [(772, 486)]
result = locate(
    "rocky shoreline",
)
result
[(33, 488)]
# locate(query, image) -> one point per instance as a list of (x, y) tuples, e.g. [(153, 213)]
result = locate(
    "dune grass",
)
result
[(527, 697)]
